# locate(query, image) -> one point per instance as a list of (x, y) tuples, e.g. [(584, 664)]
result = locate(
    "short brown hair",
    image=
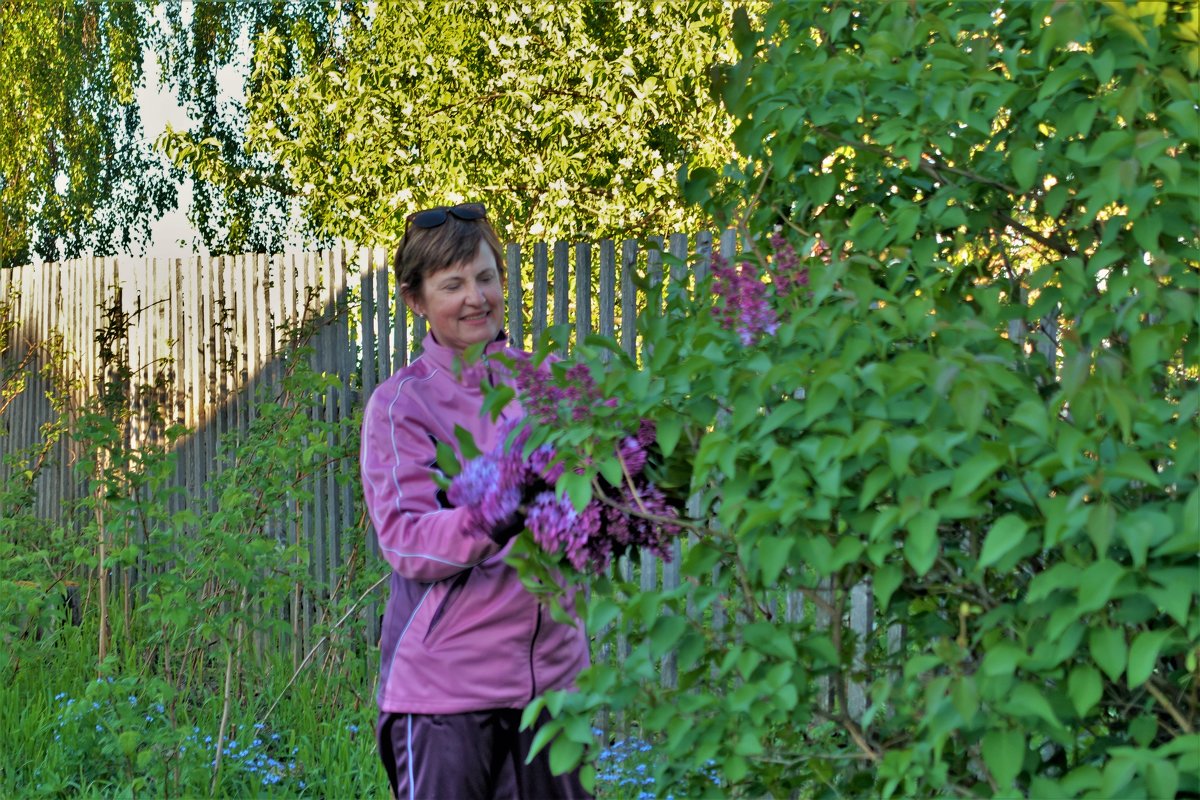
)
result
[(424, 251)]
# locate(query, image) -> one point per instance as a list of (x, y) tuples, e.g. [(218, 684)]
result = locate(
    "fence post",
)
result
[(583, 291), (541, 287), (516, 323)]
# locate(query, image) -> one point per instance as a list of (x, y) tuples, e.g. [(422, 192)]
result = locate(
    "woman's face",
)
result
[(464, 303)]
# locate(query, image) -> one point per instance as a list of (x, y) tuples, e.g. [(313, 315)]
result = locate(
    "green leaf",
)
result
[(128, 742), (700, 558), (610, 468), (1005, 534), (1101, 522), (466, 443), (1162, 778), (900, 450), (748, 744), (549, 731), (667, 430), (665, 633), (875, 481), (1028, 700), (921, 545), (1024, 166), (564, 755), (578, 489), (1097, 583), (1084, 688), (736, 768), (780, 416), (973, 472), (885, 582), (1001, 660), (773, 556), (1004, 752), (1143, 655), (601, 612), (1107, 646)]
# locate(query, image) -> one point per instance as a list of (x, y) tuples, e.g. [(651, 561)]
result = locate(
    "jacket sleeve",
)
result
[(421, 540)]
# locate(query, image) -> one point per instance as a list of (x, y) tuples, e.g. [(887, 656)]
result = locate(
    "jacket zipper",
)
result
[(537, 627)]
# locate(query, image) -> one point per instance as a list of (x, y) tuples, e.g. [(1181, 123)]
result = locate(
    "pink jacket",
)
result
[(460, 632)]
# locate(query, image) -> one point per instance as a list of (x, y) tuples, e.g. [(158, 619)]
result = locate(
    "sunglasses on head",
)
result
[(433, 217)]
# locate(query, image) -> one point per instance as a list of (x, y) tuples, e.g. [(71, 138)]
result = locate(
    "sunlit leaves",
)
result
[(76, 173)]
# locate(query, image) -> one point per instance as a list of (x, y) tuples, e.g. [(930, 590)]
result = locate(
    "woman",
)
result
[(464, 647)]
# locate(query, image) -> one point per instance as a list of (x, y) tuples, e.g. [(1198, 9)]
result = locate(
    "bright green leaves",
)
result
[(978, 414), (1143, 656), (1108, 650), (1005, 534), (1085, 689), (921, 546), (1003, 752)]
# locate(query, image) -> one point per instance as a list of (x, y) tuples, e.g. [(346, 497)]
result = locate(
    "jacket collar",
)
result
[(449, 360)]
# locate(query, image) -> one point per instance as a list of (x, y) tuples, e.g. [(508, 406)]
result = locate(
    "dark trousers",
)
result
[(475, 756)]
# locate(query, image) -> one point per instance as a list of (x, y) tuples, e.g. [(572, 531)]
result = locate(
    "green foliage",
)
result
[(75, 172), (568, 119), (981, 409), (185, 597)]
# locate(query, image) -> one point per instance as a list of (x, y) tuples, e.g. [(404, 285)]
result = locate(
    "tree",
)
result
[(242, 200), (954, 364), (75, 172), (568, 119)]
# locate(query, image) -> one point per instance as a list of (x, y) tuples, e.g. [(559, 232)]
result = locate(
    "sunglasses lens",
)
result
[(433, 217), (469, 211), (430, 218)]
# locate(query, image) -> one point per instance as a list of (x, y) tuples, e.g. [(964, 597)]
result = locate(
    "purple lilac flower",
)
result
[(646, 433), (744, 307), (786, 271), (491, 485), (548, 401), (550, 519), (478, 477), (542, 464), (633, 454)]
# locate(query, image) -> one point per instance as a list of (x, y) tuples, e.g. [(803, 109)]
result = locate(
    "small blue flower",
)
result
[(99, 729)]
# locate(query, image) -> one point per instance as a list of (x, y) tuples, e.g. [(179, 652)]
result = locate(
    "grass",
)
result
[(66, 734)]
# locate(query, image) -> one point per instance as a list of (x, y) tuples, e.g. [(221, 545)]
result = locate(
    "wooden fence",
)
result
[(208, 332)]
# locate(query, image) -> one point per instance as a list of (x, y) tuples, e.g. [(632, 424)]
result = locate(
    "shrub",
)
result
[(980, 406)]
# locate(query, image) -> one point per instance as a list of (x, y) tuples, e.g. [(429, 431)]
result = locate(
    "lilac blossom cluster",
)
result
[(786, 271), (548, 401), (634, 515), (744, 306)]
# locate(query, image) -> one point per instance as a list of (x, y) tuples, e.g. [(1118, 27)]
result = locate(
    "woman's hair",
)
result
[(424, 251)]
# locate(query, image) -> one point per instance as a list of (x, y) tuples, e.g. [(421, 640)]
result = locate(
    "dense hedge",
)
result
[(983, 401)]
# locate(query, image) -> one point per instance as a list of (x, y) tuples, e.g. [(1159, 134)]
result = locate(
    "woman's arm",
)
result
[(420, 539)]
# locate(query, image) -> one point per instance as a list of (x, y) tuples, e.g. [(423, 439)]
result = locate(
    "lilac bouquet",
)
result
[(634, 514)]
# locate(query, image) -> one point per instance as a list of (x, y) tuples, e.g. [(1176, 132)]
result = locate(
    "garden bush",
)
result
[(954, 360)]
